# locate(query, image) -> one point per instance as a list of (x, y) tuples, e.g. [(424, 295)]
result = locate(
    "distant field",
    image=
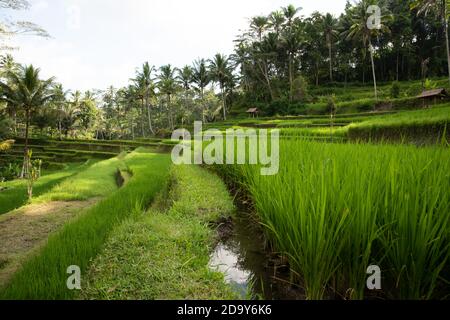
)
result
[(421, 125)]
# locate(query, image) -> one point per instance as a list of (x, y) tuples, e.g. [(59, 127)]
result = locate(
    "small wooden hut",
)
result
[(253, 112), (433, 96)]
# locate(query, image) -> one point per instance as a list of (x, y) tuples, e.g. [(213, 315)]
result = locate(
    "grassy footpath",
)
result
[(16, 194), (44, 275), (336, 209), (164, 254)]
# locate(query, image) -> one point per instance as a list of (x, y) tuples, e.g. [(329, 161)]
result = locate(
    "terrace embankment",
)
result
[(25, 230)]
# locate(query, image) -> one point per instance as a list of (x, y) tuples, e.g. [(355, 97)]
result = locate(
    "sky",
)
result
[(99, 43)]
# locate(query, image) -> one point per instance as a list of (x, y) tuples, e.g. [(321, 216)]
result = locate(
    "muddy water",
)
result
[(248, 267)]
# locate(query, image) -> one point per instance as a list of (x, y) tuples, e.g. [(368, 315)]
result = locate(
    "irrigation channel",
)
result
[(249, 268)]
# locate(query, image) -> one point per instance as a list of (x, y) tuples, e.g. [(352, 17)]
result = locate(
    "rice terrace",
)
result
[(308, 160)]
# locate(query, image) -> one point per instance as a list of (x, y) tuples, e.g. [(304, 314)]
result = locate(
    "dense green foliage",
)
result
[(336, 209)]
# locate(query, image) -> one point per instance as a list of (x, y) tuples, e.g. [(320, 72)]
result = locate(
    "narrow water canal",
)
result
[(253, 272)]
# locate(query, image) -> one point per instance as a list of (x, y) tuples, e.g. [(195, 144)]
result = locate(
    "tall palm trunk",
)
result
[(132, 127), (330, 52), (149, 116), (170, 112), (25, 166), (291, 81), (202, 94), (143, 118), (447, 42), (398, 66), (371, 49), (224, 104), (15, 122)]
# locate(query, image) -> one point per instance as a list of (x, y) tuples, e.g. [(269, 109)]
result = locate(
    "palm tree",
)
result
[(220, 71), (185, 78), (26, 91), (144, 83), (292, 41), (71, 112), (329, 27), (276, 21), (168, 86), (8, 64), (201, 78), (289, 13), (360, 31), (441, 8), (259, 25), (60, 101)]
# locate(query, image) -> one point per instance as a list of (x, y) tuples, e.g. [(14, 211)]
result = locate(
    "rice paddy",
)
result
[(44, 275)]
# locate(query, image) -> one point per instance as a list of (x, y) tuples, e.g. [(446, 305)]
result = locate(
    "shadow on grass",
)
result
[(14, 198)]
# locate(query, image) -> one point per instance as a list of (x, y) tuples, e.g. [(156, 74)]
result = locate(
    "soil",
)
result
[(26, 229)]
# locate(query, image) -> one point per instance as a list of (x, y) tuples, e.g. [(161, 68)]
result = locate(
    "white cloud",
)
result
[(114, 37)]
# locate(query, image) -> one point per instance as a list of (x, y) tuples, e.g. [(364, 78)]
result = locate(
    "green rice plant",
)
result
[(96, 181), (335, 209), (15, 193), (44, 275), (169, 247)]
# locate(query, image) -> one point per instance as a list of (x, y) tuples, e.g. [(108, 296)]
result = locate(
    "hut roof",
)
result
[(432, 93)]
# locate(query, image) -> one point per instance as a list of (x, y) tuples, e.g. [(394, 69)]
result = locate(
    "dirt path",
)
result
[(26, 229)]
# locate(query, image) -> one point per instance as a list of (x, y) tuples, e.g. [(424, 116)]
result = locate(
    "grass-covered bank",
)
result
[(15, 193), (336, 209), (44, 275), (164, 253)]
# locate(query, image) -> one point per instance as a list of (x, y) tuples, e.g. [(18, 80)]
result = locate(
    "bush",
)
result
[(280, 107), (10, 171), (6, 125), (300, 91), (331, 105), (163, 133), (395, 90)]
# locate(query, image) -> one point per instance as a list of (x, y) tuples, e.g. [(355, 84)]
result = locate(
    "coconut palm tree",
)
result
[(144, 83), (201, 78), (258, 25), (276, 21), (289, 13), (28, 92), (360, 31), (329, 28), (168, 86), (441, 8), (220, 71), (185, 78), (60, 101), (8, 64)]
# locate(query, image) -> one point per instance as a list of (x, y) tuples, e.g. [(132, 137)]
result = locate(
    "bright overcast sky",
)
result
[(98, 43)]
